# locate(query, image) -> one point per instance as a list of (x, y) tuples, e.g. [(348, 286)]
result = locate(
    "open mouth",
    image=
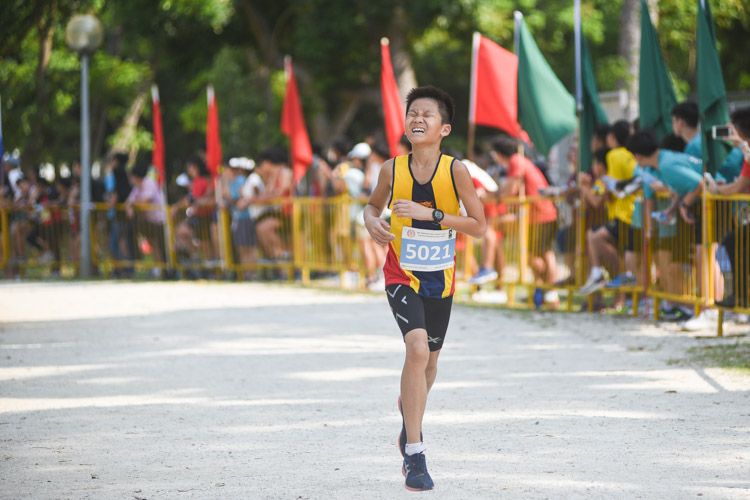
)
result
[(417, 130)]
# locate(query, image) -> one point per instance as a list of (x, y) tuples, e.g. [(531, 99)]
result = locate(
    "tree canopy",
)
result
[(239, 46)]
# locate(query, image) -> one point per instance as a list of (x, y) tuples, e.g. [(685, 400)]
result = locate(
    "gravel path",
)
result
[(194, 391)]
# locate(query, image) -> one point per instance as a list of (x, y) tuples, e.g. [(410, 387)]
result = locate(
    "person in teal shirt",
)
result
[(680, 174), (685, 125)]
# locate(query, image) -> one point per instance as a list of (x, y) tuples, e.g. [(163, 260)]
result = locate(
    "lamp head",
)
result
[(84, 33)]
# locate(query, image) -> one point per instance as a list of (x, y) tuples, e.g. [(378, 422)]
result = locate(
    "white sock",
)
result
[(414, 448), (597, 272)]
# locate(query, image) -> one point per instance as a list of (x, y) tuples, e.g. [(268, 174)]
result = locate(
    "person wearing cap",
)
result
[(242, 226)]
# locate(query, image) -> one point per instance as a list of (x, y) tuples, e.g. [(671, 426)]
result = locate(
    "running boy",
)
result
[(423, 190)]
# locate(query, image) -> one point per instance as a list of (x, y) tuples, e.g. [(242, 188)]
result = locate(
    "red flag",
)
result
[(157, 152), (393, 109), (494, 89), (293, 125), (213, 141)]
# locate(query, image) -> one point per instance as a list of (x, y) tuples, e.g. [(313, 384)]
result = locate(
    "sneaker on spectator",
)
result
[(624, 279), (485, 275), (491, 297), (704, 321), (593, 284), (46, 258), (674, 313), (551, 298)]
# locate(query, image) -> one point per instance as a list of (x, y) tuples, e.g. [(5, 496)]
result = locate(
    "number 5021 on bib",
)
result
[(426, 250)]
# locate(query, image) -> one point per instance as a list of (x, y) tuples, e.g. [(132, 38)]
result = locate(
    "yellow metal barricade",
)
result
[(676, 270), (327, 236), (731, 234)]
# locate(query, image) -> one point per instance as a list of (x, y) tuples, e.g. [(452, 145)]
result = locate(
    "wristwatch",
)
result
[(438, 216)]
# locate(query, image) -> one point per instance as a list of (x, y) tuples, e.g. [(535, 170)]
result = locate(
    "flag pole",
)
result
[(287, 76), (476, 40), (162, 176)]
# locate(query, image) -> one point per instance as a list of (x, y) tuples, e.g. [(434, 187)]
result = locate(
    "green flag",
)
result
[(712, 99), (546, 110), (656, 96), (592, 114)]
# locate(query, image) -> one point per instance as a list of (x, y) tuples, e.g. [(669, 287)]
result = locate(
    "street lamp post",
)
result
[(84, 34)]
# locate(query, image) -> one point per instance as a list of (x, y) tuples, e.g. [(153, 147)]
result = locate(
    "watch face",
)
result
[(438, 215)]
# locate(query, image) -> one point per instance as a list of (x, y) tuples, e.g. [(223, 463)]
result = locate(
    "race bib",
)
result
[(425, 250)]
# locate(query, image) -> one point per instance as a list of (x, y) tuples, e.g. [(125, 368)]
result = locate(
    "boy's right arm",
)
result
[(379, 229)]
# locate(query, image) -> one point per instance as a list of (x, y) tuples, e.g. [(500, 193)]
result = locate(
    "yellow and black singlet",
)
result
[(439, 192)]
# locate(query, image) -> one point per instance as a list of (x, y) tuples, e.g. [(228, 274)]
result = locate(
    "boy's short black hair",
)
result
[(120, 158), (601, 132), (643, 143), (688, 111), (275, 155), (445, 102), (621, 130), (600, 155), (505, 145), (141, 167), (673, 142), (381, 150), (342, 145), (199, 163), (741, 121)]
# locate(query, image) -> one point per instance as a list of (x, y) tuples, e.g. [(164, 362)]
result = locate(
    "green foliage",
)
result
[(238, 45)]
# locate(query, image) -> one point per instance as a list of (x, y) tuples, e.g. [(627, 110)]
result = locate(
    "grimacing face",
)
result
[(424, 123)]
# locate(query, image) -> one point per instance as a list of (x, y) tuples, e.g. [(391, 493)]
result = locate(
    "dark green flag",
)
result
[(712, 99), (546, 110), (592, 113), (656, 93)]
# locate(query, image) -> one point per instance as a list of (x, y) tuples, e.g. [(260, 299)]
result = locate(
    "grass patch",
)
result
[(732, 356)]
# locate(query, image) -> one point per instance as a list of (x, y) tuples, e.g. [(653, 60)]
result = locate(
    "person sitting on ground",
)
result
[(680, 175), (542, 214)]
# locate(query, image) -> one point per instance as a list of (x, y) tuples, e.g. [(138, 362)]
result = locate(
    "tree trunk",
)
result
[(125, 135), (406, 78), (629, 49)]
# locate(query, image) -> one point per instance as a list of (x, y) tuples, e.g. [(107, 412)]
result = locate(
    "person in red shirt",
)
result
[(199, 210), (737, 242), (520, 171)]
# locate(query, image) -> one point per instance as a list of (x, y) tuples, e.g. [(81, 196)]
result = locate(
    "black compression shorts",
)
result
[(413, 311)]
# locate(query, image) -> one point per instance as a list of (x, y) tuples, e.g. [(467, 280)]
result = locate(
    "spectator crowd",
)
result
[(637, 189)]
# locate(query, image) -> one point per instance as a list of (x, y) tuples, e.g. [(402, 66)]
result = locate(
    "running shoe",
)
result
[(593, 284), (402, 436), (415, 471), (485, 275), (625, 279)]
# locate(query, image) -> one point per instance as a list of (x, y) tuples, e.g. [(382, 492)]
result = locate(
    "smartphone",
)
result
[(721, 131)]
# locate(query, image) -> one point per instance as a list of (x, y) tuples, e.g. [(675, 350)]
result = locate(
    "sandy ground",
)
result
[(190, 390)]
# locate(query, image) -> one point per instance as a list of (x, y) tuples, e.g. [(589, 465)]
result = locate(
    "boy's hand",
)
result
[(411, 210), (379, 229)]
